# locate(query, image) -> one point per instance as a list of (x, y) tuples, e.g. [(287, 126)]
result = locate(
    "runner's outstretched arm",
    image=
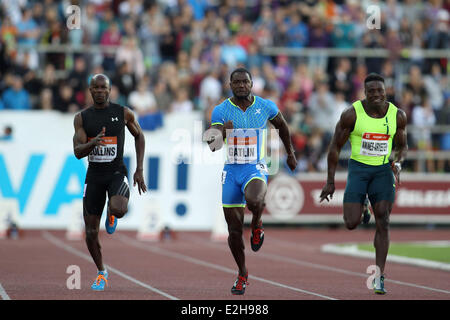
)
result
[(139, 142), (283, 130), (215, 135), (81, 146), (400, 144), (342, 132)]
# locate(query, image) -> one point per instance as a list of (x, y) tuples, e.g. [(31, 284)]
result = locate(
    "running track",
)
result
[(289, 266)]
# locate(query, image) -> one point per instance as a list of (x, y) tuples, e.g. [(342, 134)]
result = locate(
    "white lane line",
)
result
[(80, 254), (175, 255), (277, 257), (351, 249), (3, 293)]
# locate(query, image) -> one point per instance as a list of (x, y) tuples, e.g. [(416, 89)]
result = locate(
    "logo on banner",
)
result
[(285, 197)]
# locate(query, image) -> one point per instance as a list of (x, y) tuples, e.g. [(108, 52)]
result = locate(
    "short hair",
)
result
[(240, 70), (100, 75), (373, 77)]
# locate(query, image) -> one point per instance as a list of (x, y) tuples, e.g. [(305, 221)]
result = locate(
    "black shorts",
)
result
[(97, 185)]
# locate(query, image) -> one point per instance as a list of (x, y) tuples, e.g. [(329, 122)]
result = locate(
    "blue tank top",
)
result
[(246, 143)]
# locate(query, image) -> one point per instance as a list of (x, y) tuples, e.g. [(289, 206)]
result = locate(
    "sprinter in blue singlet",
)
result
[(242, 121)]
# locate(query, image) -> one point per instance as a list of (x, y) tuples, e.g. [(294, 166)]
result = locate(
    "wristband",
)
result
[(398, 165)]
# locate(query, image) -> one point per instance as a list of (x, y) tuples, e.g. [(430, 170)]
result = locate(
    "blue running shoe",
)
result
[(101, 281), (378, 285), (110, 223)]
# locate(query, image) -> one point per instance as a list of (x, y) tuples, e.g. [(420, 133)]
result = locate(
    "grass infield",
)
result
[(434, 250)]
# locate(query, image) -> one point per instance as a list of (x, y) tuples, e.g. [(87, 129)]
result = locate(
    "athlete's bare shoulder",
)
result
[(348, 117), (401, 118), (128, 114), (77, 119)]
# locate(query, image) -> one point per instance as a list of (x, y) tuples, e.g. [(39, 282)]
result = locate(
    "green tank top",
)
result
[(371, 139)]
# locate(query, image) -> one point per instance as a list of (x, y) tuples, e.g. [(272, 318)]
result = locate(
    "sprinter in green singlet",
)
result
[(374, 126)]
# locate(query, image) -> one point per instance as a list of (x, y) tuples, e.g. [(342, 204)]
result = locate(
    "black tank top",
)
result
[(109, 158)]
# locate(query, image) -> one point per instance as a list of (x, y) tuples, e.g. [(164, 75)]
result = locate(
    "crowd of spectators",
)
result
[(166, 56)]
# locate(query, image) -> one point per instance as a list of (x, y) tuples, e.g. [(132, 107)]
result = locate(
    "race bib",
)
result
[(242, 149), (104, 153), (374, 144)]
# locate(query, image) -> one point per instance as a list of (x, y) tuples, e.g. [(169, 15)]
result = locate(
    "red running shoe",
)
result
[(239, 285), (257, 238)]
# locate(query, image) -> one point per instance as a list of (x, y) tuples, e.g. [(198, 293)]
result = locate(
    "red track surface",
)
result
[(290, 266)]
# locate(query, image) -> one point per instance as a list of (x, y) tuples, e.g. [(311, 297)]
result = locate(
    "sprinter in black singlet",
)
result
[(100, 135)]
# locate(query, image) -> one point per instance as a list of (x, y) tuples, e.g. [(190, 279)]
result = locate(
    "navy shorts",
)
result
[(378, 182)]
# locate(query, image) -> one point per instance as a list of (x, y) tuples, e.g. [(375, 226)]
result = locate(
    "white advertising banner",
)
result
[(39, 170)]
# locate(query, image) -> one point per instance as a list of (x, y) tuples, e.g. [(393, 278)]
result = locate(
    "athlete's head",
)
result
[(375, 90), (241, 83), (100, 87)]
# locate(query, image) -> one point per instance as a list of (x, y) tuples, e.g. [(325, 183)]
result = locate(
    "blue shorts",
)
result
[(235, 178), (378, 182)]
